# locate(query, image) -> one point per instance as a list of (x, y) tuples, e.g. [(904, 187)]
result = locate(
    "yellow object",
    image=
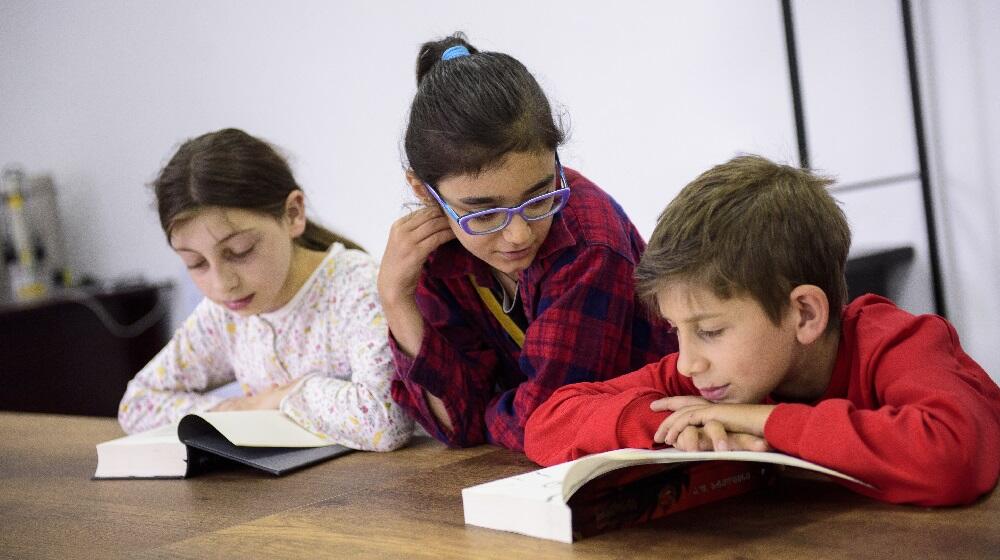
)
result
[(493, 305)]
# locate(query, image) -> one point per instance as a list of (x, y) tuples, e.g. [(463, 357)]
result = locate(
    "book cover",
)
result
[(264, 439), (619, 488)]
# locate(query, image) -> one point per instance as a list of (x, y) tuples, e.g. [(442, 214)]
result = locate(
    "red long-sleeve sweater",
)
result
[(907, 410)]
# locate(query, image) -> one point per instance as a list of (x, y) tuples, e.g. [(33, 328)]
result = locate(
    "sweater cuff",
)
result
[(637, 423), (785, 426)]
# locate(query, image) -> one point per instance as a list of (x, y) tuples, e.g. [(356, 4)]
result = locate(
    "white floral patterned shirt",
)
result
[(331, 337)]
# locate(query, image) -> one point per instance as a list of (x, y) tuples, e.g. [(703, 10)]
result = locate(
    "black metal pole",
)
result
[(793, 75), (925, 182)]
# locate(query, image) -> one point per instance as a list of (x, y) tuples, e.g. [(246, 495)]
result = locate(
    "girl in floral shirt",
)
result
[(290, 311)]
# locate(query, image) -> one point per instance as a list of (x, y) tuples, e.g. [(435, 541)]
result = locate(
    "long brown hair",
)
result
[(232, 169)]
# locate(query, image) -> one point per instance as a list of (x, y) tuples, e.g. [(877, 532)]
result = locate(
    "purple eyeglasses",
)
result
[(495, 219)]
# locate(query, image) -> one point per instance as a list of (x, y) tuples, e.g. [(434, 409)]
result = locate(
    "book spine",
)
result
[(636, 495)]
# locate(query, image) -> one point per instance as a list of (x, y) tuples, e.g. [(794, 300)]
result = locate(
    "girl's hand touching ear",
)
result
[(411, 239)]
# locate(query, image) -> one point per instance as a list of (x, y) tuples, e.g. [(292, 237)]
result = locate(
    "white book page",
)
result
[(262, 428)]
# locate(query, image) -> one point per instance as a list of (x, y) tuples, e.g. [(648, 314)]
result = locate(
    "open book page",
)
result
[(262, 428), (587, 468)]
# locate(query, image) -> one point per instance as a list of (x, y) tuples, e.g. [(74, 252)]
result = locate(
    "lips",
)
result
[(238, 304), (516, 255), (714, 394)]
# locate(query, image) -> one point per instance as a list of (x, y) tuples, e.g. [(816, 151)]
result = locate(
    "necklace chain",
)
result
[(508, 302), (508, 308)]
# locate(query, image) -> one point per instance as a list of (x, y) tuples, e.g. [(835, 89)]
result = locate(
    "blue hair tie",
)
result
[(454, 51)]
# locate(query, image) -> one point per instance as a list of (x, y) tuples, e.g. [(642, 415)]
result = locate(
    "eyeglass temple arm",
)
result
[(444, 205)]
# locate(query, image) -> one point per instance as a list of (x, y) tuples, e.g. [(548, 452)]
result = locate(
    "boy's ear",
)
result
[(295, 212), (811, 312), (417, 185)]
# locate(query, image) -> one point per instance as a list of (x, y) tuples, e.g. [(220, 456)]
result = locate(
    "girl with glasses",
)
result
[(515, 278), (290, 309)]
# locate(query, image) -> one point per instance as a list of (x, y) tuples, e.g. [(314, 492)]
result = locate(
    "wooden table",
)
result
[(407, 504)]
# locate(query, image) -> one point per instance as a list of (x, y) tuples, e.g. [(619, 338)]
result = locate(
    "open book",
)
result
[(600, 492), (265, 439)]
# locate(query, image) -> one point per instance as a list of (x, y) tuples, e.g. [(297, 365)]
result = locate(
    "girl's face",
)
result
[(240, 259), (520, 176)]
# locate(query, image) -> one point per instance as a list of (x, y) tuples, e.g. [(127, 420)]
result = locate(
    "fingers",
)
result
[(677, 403), (748, 442), (716, 434), (692, 438), (411, 239), (661, 432), (423, 231), (678, 422), (700, 427), (417, 218)]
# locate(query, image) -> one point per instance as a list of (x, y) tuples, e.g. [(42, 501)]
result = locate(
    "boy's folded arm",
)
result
[(578, 421), (910, 454), (934, 439), (584, 418)]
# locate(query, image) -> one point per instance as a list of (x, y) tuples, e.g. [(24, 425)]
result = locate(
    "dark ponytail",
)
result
[(232, 169), (471, 111)]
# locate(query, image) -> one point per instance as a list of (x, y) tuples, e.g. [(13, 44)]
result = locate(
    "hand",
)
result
[(697, 424), (266, 400), (411, 239)]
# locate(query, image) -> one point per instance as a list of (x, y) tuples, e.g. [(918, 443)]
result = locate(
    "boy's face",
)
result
[(729, 348)]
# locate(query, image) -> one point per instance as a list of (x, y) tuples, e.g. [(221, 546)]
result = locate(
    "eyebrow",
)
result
[(698, 317), (219, 242), (480, 200)]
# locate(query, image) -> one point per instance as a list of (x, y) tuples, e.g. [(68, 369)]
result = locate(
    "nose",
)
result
[(518, 231), (689, 362), (225, 280)]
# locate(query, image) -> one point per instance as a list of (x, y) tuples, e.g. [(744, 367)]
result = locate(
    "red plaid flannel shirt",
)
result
[(584, 324)]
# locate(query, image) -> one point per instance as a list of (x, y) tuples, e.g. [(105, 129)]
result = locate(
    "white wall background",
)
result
[(99, 93), (959, 47)]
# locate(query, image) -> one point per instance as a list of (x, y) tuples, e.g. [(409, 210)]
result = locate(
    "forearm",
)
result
[(406, 324), (144, 407), (175, 381), (586, 418), (446, 388), (910, 455), (348, 413), (439, 411)]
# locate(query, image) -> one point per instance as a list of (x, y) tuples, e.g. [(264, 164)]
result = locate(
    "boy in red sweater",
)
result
[(747, 264)]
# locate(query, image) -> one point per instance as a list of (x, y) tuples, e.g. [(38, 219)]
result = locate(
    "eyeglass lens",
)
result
[(497, 219)]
